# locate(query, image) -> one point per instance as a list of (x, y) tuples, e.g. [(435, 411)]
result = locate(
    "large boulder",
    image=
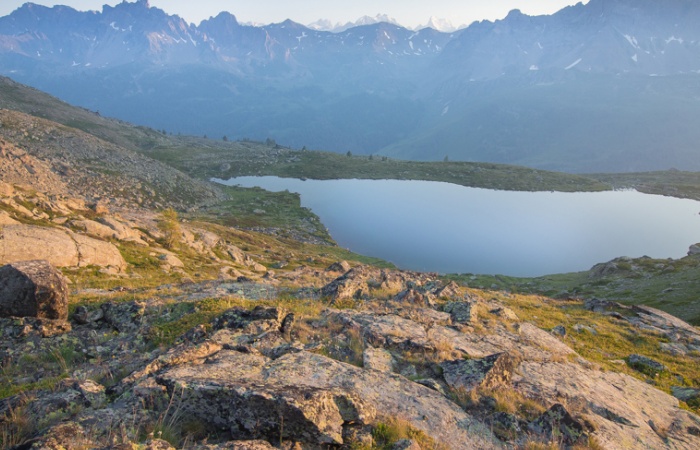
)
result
[(311, 399), (61, 248), (619, 407), (490, 372), (557, 424), (33, 289)]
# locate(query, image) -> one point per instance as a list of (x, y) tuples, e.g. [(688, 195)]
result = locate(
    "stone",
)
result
[(169, 258), (462, 312), (67, 435), (645, 365), (359, 281), (506, 426), (124, 317), (505, 313), (315, 397), (686, 394), (6, 189), (674, 348), (601, 305), (93, 228), (694, 250), (100, 208), (556, 424), (559, 330), (341, 267), (93, 252), (432, 384), (579, 328), (617, 406), (377, 359), (62, 248), (93, 393), (237, 445), (387, 331), (406, 444), (415, 297), (257, 267), (33, 289), (6, 219), (451, 291), (490, 372), (236, 254)]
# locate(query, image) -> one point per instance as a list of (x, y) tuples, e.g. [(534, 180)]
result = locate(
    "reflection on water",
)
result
[(441, 227)]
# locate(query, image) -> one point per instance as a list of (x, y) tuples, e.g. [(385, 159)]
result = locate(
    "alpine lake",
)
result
[(446, 228)]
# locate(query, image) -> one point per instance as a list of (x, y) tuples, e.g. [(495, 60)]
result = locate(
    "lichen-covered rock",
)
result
[(340, 267), (462, 312), (359, 282), (645, 364), (413, 296), (61, 437), (237, 445), (406, 444), (686, 394), (556, 424), (5, 219), (559, 330), (314, 397), (490, 372), (450, 290), (389, 331), (505, 313), (377, 359), (124, 317), (61, 248), (33, 289), (25, 327), (506, 426), (432, 384), (84, 315), (618, 406), (240, 319)]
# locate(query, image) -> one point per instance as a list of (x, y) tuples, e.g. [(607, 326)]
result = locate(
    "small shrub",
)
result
[(170, 227), (393, 429)]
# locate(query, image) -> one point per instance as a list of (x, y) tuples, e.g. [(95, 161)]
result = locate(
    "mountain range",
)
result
[(436, 23), (612, 85)]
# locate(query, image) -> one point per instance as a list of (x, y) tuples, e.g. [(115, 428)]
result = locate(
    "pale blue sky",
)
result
[(407, 12)]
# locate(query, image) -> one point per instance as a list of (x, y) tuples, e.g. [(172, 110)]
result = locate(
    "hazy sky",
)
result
[(407, 12)]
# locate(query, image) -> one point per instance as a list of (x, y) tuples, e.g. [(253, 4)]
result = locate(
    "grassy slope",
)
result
[(226, 160), (669, 285), (674, 183)]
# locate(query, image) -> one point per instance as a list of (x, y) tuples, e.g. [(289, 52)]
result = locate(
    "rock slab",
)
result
[(33, 289)]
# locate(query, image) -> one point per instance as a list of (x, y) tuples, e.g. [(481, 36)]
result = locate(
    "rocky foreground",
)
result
[(392, 350)]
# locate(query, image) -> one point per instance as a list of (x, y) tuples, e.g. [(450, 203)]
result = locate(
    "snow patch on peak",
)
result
[(439, 24), (574, 64), (632, 41)]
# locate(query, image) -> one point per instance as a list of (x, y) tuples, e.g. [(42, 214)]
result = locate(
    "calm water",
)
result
[(441, 227)]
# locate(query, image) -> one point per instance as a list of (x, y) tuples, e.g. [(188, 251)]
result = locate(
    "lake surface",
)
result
[(442, 227)]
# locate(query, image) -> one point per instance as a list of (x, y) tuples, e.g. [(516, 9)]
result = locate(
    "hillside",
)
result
[(236, 323)]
